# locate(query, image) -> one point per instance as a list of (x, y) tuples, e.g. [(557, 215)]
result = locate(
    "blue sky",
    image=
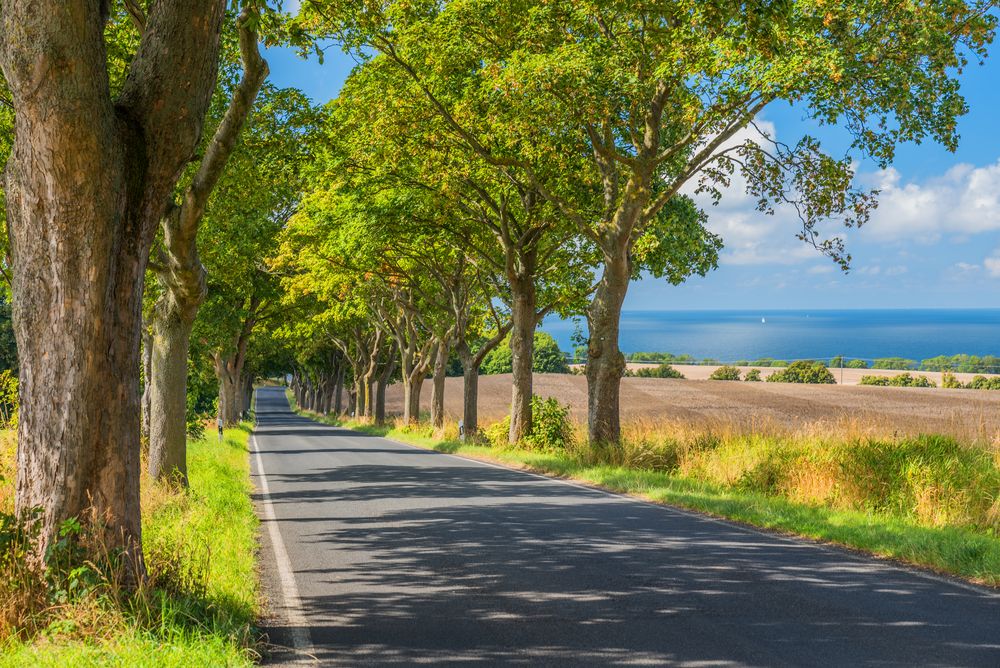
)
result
[(934, 241)]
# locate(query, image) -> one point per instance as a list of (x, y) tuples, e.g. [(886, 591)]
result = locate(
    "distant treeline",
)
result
[(953, 363)]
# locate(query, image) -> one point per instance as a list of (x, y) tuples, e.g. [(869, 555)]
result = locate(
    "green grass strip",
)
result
[(208, 536)]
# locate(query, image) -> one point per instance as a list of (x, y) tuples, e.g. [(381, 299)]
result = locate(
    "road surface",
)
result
[(392, 555)]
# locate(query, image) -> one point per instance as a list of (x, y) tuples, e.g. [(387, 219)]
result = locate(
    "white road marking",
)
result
[(299, 626)]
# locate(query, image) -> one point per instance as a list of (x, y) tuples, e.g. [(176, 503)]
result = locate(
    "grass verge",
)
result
[(887, 530), (202, 598)]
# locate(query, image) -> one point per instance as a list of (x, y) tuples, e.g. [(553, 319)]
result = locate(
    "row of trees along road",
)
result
[(488, 163), (491, 162)]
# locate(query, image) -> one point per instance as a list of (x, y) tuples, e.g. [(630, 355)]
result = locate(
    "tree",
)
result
[(181, 276), (664, 96), (90, 175), (254, 199)]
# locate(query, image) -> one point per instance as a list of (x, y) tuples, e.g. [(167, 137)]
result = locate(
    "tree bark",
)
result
[(606, 364), (383, 381), (440, 372), (229, 371), (522, 349), (182, 276), (411, 397), (168, 397), (338, 393), (87, 181), (147, 373)]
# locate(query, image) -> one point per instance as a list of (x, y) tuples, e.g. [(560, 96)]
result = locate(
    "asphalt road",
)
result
[(392, 555)]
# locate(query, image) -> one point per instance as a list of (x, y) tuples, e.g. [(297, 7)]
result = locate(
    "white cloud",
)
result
[(965, 200), (992, 264), (752, 237)]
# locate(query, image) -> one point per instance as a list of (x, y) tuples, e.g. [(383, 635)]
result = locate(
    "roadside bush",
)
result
[(857, 364), (662, 371), (803, 372), (725, 372), (550, 427), (900, 380), (752, 376)]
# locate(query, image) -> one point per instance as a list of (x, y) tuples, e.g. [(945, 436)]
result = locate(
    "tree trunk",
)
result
[(86, 183), (168, 400), (383, 382), (229, 371), (440, 373), (522, 348), (411, 399), (361, 397), (338, 392), (606, 364), (470, 401), (147, 374)]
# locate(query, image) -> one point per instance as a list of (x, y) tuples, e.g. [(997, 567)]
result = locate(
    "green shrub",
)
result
[(900, 380), (725, 372), (662, 371), (984, 383), (803, 372), (857, 364), (895, 363), (550, 427), (948, 381), (547, 357), (752, 376), (768, 362)]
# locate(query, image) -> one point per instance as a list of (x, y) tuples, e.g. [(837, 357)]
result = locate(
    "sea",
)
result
[(793, 334)]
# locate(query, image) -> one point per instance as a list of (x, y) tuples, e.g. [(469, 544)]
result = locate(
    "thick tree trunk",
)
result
[(361, 396), (470, 402), (522, 348), (229, 371), (411, 399), (86, 184), (383, 382), (440, 373), (606, 364), (168, 421)]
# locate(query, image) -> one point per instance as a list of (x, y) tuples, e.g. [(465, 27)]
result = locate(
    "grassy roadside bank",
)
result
[(203, 597), (740, 478)]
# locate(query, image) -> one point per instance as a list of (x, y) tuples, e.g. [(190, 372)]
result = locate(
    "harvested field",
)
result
[(972, 415)]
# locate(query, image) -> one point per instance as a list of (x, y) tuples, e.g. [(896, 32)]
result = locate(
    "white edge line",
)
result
[(845, 551), (300, 636)]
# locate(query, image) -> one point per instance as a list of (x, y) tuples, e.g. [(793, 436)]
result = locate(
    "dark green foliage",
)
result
[(726, 373), (983, 383), (804, 371), (768, 362), (752, 376), (662, 371), (548, 358), (894, 363), (841, 362), (901, 380), (550, 425), (8, 346), (962, 364)]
